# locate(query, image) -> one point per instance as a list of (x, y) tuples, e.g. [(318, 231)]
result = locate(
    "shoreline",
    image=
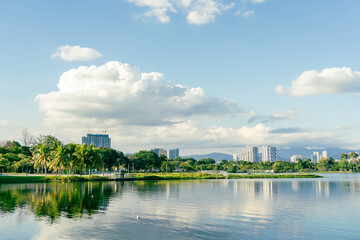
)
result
[(148, 177)]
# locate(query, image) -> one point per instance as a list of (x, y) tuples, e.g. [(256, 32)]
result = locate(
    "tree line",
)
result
[(47, 154)]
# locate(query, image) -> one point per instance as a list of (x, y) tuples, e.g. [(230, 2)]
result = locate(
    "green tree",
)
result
[(344, 156), (353, 155), (344, 165), (42, 156)]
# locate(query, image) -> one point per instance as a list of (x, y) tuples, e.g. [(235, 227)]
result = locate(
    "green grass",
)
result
[(22, 179), (147, 176), (176, 176), (241, 176), (34, 179)]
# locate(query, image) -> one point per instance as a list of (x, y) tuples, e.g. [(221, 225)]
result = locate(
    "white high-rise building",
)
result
[(324, 154), (295, 158), (251, 154), (269, 154), (315, 157), (235, 157), (242, 157)]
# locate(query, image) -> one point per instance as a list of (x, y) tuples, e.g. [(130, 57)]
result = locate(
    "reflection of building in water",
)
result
[(322, 189), (295, 186), (270, 188), (253, 189)]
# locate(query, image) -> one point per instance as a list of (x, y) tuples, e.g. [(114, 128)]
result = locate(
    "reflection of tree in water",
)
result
[(157, 188), (72, 200)]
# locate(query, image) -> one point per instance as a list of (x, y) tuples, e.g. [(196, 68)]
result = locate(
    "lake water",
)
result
[(327, 208)]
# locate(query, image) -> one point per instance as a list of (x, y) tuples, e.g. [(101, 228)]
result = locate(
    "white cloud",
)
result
[(5, 123), (257, 1), (143, 110), (328, 81), (117, 93), (75, 53), (248, 13), (284, 115), (198, 11), (205, 11)]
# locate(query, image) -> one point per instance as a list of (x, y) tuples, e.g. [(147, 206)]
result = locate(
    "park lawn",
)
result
[(22, 179), (35, 179), (176, 176)]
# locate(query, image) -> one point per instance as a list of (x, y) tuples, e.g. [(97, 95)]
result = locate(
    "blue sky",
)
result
[(237, 52)]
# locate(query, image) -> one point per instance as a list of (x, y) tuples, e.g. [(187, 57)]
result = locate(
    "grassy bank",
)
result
[(35, 179), (176, 176), (241, 176), (147, 176)]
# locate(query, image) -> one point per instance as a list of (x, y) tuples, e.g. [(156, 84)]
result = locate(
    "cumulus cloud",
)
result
[(117, 93), (198, 11), (192, 135), (285, 115), (75, 53), (143, 110), (205, 11), (328, 81)]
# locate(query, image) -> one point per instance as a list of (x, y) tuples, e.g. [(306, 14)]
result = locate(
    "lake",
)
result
[(327, 208)]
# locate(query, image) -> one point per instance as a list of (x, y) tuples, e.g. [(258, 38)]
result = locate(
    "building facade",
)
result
[(159, 151), (315, 157), (251, 154), (169, 153), (172, 153), (324, 154), (295, 158), (99, 140), (269, 154)]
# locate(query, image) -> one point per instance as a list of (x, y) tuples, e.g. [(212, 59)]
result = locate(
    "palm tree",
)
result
[(95, 158), (71, 156), (60, 160), (81, 155), (42, 156)]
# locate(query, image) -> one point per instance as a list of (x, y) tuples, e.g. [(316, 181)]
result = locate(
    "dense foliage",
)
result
[(48, 154)]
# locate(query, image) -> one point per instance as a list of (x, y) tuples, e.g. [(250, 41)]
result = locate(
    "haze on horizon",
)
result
[(199, 75)]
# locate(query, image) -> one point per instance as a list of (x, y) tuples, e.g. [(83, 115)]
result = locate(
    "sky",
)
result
[(200, 75)]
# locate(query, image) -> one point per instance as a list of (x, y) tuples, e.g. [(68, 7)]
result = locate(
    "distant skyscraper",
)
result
[(235, 157), (242, 157), (315, 157), (159, 151), (324, 154), (269, 154), (172, 153), (251, 154), (99, 140), (295, 158)]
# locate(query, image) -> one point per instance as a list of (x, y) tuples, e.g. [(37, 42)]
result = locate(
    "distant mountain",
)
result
[(306, 153), (215, 156), (282, 154)]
